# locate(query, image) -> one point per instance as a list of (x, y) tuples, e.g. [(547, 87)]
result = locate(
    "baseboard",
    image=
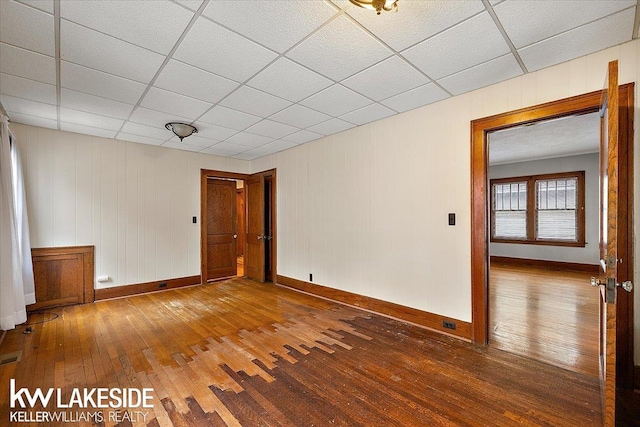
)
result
[(143, 288), (408, 314), (3, 333), (549, 265)]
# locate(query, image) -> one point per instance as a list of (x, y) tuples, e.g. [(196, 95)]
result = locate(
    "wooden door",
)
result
[(254, 261), (610, 240), (221, 232), (241, 224)]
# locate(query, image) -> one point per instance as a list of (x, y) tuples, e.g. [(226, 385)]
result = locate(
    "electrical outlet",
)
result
[(162, 285), (449, 325)]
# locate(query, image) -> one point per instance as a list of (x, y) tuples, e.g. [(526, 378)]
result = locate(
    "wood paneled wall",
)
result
[(134, 202), (366, 210)]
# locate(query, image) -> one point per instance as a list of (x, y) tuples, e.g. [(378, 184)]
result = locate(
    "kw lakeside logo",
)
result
[(83, 405)]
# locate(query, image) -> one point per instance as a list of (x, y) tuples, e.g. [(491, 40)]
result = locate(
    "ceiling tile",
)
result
[(207, 42), (94, 104), (289, 80), (173, 103), (272, 129), (28, 89), (299, 116), (251, 154), (417, 19), (276, 24), (154, 118), (155, 132), (219, 133), (191, 4), (331, 126), (26, 119), (31, 108), (196, 141), (398, 77), (336, 101), (249, 139), (27, 64), (527, 22), (229, 118), (254, 102), (87, 119), (140, 139), (265, 150), (87, 130), (339, 50), (583, 40), (27, 28), (225, 149), (97, 83), (302, 137), (154, 25), (368, 114), (44, 5), (80, 45), (182, 146), (185, 79), (415, 98), (486, 74), (279, 145), (467, 44)]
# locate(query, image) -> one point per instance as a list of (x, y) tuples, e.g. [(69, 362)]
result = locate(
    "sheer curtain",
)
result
[(13, 261)]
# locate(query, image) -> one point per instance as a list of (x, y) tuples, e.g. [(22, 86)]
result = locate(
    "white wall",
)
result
[(590, 254), (366, 210), (134, 202)]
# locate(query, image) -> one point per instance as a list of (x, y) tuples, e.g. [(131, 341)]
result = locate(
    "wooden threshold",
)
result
[(143, 288), (422, 318), (547, 265)]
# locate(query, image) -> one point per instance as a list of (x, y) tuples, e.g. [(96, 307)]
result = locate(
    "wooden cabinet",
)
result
[(63, 276)]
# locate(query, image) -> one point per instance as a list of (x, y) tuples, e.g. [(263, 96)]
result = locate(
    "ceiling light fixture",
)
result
[(377, 5), (182, 130)]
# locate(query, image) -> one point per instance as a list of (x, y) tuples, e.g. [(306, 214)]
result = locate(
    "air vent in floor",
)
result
[(9, 358)]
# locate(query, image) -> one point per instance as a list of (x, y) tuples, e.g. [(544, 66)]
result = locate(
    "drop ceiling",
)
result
[(258, 77), (562, 137)]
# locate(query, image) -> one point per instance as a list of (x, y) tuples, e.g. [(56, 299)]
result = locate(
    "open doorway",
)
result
[(480, 235), (238, 226), (543, 193)]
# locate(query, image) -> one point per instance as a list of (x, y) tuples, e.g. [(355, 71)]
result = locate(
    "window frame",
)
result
[(532, 209)]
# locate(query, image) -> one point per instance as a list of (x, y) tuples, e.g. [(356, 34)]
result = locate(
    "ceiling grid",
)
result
[(258, 77)]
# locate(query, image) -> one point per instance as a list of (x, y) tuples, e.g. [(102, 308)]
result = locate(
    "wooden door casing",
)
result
[(241, 220), (254, 238), (221, 252), (580, 104)]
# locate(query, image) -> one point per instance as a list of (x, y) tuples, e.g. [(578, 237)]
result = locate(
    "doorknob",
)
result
[(259, 237), (627, 286), (235, 236), (597, 282)]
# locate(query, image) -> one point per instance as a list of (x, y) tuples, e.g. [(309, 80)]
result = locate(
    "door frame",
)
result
[(271, 174), (208, 173), (480, 215)]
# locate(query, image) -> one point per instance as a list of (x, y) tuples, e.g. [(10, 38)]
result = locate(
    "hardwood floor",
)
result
[(551, 316), (238, 352)]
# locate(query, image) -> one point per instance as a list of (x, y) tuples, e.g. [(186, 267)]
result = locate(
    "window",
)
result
[(539, 209)]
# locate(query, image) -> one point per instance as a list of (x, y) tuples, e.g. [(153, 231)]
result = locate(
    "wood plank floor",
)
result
[(551, 316), (239, 352)]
